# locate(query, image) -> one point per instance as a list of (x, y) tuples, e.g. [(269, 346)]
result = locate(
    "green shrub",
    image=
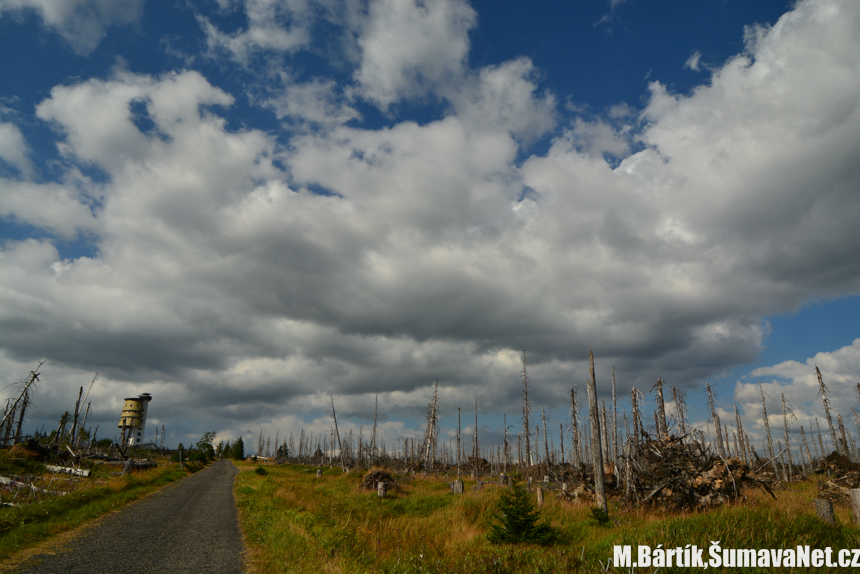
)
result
[(261, 471), (516, 517)]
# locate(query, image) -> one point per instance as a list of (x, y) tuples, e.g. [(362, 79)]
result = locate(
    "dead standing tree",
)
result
[(337, 433), (714, 415), (596, 450), (767, 432), (431, 433), (23, 401), (527, 413), (823, 392), (662, 429)]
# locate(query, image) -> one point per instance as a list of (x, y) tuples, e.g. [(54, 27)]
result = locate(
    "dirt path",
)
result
[(188, 527)]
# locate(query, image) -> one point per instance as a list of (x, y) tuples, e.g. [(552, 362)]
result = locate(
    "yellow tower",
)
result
[(133, 418)]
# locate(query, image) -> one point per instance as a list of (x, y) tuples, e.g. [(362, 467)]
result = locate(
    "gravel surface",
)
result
[(188, 527)]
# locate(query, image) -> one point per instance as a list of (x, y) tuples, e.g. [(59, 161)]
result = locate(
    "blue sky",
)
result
[(241, 206)]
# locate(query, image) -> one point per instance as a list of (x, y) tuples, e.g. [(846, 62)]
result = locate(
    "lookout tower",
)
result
[(133, 419)]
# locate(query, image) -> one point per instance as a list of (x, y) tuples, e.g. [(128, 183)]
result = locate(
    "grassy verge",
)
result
[(294, 522), (37, 520)]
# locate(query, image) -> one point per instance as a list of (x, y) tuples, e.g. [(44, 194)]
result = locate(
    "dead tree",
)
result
[(662, 429), (741, 437), (431, 434), (545, 439), (596, 450), (476, 449), (785, 411), (718, 431), (842, 439), (337, 433), (373, 435), (527, 413), (615, 449), (805, 446), (23, 400), (680, 409), (574, 417), (823, 392), (767, 431), (637, 421)]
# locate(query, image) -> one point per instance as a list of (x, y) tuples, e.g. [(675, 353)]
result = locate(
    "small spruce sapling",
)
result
[(516, 517)]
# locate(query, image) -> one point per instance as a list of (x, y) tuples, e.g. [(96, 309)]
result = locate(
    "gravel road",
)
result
[(188, 527)]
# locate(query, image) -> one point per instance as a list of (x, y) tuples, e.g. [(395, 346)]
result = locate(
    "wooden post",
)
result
[(824, 510), (854, 496), (596, 451)]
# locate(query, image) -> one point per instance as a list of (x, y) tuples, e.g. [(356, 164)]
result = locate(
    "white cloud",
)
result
[(435, 250), (693, 61), (316, 101), (82, 23), (273, 26), (503, 97), (411, 49), (14, 149)]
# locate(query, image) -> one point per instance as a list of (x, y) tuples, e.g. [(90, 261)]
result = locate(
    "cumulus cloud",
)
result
[(13, 148), (82, 23), (411, 49), (272, 26), (250, 274)]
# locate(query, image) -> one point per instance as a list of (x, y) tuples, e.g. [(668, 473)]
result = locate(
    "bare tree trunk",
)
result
[(806, 446), (637, 422), (662, 429), (527, 412), (824, 399), (820, 440), (716, 417), (545, 438), (574, 416), (596, 450), (615, 448), (842, 438), (678, 399), (337, 434), (741, 436), (785, 411), (767, 431), (459, 450)]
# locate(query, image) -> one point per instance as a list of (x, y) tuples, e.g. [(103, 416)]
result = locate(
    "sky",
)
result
[(252, 208)]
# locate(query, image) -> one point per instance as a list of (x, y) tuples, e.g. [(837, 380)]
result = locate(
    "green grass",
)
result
[(37, 520), (294, 522)]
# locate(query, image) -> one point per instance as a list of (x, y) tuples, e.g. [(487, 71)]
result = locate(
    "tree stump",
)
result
[(319, 473), (824, 510), (854, 496), (539, 492), (564, 487), (457, 486), (381, 489), (546, 479), (503, 480)]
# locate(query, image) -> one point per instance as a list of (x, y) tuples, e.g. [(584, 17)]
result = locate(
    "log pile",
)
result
[(678, 474), (836, 489)]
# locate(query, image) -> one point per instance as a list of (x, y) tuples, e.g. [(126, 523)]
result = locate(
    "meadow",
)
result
[(298, 523)]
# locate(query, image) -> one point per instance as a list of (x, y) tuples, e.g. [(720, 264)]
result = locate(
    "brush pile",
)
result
[(675, 474), (374, 477)]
